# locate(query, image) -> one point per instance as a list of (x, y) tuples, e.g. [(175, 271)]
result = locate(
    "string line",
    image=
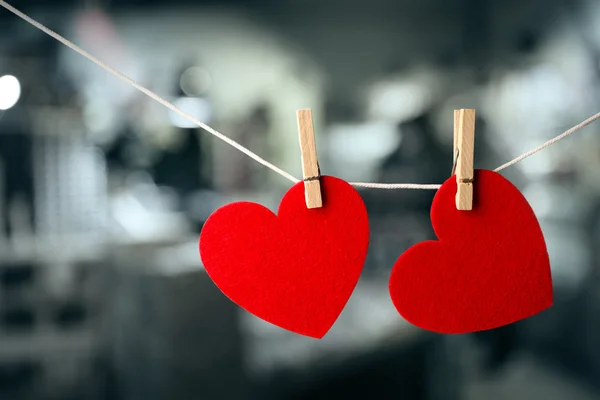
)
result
[(512, 162), (243, 149), (550, 142)]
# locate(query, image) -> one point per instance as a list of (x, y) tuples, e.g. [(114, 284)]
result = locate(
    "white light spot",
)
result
[(10, 91)]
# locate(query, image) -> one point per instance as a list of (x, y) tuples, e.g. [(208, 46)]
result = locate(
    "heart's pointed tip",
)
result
[(545, 302), (544, 306), (317, 336), (314, 333)]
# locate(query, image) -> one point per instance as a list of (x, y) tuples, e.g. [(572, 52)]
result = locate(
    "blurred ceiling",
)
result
[(356, 38), (343, 4)]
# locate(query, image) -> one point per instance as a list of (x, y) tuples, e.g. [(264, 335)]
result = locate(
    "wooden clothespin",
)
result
[(464, 149), (310, 166)]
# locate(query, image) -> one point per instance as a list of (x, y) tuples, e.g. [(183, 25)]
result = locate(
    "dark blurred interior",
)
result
[(103, 191)]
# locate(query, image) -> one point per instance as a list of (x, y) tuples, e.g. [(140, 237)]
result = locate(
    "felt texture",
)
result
[(489, 268), (296, 269)]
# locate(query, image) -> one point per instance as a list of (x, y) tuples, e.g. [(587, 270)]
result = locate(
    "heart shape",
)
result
[(296, 269), (489, 268)]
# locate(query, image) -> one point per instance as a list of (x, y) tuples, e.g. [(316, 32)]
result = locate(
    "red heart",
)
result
[(296, 269), (489, 268)]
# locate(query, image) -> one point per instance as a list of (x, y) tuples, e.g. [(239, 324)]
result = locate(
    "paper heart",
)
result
[(296, 269), (489, 268)]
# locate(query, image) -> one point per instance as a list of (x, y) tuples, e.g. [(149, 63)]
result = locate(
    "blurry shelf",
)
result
[(36, 249), (173, 257), (38, 344)]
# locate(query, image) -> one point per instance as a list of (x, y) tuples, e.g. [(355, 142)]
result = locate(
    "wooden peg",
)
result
[(464, 142), (310, 167), (456, 127)]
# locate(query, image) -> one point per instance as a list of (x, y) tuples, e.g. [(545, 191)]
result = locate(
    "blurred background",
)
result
[(103, 192)]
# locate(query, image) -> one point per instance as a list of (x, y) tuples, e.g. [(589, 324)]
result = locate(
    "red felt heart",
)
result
[(489, 268), (296, 269)]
